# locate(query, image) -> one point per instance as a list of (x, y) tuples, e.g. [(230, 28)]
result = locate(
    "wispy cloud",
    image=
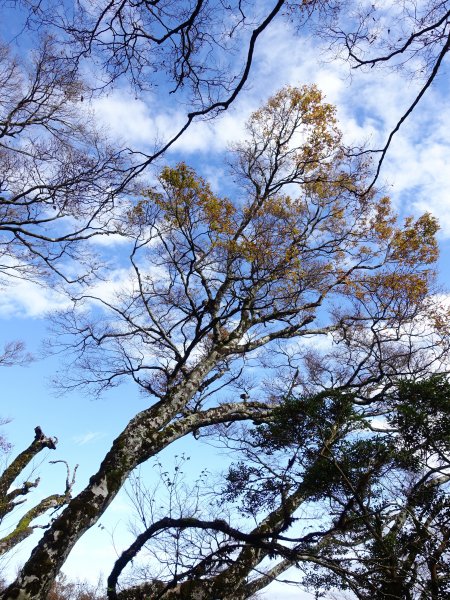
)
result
[(88, 437), (27, 299)]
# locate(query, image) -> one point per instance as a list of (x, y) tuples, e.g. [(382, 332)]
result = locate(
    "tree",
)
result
[(200, 51), (11, 497), (375, 499), (351, 506), (14, 353), (65, 589), (221, 287), (62, 183), (412, 38), (60, 180)]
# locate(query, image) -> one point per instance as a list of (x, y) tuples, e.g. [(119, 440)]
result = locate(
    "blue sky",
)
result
[(416, 175)]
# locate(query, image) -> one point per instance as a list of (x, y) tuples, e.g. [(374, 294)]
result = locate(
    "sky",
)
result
[(415, 174)]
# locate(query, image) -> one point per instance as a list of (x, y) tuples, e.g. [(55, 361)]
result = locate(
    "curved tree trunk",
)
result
[(145, 435)]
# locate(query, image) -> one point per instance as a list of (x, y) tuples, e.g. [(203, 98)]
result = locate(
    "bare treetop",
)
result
[(59, 178), (201, 53)]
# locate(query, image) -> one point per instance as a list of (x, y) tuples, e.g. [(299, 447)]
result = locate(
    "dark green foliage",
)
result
[(307, 419), (379, 496), (422, 415), (319, 434), (314, 424)]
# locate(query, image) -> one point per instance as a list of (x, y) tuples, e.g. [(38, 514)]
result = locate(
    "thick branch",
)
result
[(10, 474)]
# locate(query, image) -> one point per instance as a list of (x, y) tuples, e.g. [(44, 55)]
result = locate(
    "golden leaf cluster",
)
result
[(325, 235)]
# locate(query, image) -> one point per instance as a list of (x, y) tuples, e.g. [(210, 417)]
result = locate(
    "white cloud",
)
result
[(144, 126), (135, 122), (369, 105), (415, 171), (107, 289), (88, 437), (111, 239), (27, 299)]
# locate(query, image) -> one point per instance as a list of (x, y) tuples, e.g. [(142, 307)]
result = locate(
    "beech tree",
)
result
[(221, 287)]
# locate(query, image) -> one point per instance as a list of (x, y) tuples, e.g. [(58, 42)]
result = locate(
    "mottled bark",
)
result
[(11, 500), (8, 501), (146, 434), (261, 582), (24, 528), (227, 279)]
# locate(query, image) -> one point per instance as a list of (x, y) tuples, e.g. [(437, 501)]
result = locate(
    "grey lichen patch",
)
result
[(101, 489)]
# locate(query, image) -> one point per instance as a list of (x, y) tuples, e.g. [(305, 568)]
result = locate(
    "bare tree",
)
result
[(222, 286), (201, 51), (66, 589), (14, 353), (408, 37), (59, 178)]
